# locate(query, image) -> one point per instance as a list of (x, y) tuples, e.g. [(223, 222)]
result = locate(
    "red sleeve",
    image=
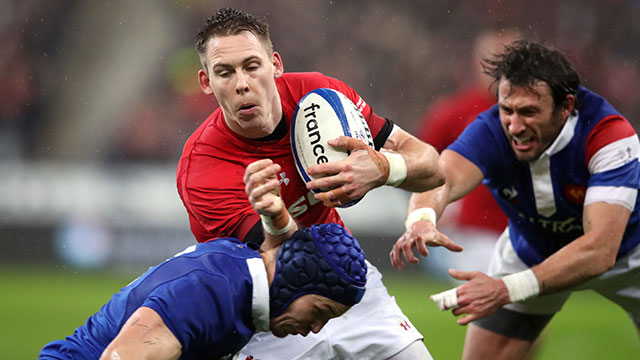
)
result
[(605, 132), (212, 191), (215, 211)]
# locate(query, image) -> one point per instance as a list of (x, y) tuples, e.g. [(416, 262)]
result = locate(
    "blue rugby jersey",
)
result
[(594, 158), (205, 295)]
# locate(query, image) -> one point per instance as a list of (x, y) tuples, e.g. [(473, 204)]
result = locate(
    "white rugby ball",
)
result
[(321, 115)]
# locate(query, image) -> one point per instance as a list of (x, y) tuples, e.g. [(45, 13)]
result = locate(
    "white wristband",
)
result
[(267, 224), (522, 285), (446, 299), (425, 213), (397, 169)]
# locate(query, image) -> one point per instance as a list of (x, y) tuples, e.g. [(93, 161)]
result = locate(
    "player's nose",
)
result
[(242, 83), (516, 125)]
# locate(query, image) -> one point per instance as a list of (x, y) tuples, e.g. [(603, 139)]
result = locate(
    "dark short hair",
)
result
[(229, 21), (524, 62)]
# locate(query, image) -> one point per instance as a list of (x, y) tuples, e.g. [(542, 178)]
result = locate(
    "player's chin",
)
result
[(279, 333)]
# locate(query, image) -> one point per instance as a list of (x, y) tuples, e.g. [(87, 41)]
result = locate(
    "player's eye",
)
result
[(506, 110)]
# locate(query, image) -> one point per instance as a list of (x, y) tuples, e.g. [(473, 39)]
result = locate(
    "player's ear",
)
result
[(276, 60), (568, 106), (205, 82)]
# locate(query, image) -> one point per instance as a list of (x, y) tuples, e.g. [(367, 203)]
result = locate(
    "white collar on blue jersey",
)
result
[(565, 136), (260, 303)]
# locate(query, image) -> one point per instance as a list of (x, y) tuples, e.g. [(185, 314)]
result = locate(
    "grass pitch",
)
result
[(38, 305)]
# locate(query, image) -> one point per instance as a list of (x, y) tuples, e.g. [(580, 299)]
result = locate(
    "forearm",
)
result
[(423, 171), (461, 178), (589, 255), (574, 264), (435, 199)]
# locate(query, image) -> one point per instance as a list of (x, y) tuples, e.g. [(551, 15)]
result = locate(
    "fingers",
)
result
[(407, 252), (396, 259), (259, 193), (255, 167), (259, 173), (463, 275), (447, 299), (329, 179), (335, 197), (326, 175), (347, 143), (344, 143), (404, 248), (465, 320), (449, 244)]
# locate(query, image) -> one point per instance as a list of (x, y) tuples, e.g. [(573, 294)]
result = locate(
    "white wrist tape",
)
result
[(446, 299), (425, 213), (269, 227), (521, 285), (397, 169)]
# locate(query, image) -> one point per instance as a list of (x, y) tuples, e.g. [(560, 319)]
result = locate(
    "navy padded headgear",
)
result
[(325, 260)]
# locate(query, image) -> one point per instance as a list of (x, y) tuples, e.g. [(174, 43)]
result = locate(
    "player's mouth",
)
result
[(247, 109), (522, 143)]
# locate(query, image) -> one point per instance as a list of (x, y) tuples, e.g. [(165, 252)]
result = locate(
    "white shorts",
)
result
[(620, 284), (375, 328)]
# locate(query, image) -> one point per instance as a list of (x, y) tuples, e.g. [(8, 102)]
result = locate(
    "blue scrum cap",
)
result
[(324, 260)]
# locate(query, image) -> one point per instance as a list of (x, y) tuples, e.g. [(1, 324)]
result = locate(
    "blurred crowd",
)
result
[(105, 81)]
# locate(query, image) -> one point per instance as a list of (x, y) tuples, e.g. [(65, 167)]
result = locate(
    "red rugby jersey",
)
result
[(212, 165)]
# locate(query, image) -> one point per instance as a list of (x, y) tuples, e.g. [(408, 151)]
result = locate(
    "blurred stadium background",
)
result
[(98, 97)]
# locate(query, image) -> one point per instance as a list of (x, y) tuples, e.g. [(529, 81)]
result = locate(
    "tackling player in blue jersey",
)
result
[(207, 301), (563, 165)]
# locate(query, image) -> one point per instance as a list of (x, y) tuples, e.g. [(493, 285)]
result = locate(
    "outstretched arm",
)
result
[(143, 336), (462, 176), (584, 258)]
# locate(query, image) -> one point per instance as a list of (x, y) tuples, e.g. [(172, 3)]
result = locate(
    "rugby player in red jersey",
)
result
[(243, 148)]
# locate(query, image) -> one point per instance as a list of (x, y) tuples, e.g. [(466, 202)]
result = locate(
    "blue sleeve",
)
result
[(483, 142), (197, 309)]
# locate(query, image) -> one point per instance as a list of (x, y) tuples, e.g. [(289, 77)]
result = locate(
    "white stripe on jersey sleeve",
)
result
[(615, 154), (260, 303), (617, 195)]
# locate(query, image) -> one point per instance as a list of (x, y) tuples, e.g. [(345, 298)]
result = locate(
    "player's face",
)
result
[(307, 313), (528, 118), (241, 74)]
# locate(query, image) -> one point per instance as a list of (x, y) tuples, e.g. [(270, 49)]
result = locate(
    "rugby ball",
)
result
[(321, 115)]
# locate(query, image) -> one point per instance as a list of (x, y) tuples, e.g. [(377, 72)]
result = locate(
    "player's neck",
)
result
[(269, 258)]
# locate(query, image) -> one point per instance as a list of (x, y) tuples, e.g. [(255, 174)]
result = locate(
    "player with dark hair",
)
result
[(207, 301), (567, 177), (244, 146)]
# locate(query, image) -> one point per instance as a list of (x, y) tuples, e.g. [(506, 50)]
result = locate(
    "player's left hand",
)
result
[(364, 169), (479, 297)]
